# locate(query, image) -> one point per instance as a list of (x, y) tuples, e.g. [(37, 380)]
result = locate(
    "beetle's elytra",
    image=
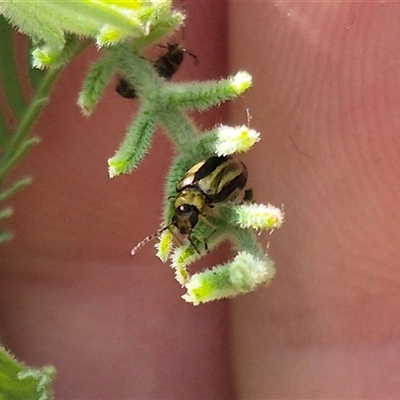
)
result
[(212, 181)]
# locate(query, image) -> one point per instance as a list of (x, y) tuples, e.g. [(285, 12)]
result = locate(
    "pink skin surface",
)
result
[(326, 99)]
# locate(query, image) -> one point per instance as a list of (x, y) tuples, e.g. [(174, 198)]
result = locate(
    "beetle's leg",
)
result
[(207, 239), (193, 245), (248, 195), (214, 229)]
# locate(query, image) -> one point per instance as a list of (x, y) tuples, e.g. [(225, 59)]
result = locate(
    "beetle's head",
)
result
[(185, 218)]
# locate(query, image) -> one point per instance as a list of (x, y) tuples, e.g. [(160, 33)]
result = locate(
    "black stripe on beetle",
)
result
[(209, 182)]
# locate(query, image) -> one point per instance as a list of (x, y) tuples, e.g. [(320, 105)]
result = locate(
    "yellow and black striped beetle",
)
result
[(209, 182)]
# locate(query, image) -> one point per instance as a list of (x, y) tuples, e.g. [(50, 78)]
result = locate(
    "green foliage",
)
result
[(126, 30), (96, 81), (12, 147), (166, 105), (18, 382), (14, 140)]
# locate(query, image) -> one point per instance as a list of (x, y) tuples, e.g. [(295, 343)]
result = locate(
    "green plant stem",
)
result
[(8, 70), (32, 112), (34, 109)]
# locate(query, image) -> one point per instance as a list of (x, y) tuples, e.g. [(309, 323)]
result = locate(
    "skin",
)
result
[(326, 100)]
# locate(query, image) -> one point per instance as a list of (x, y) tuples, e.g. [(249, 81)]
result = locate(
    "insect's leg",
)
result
[(214, 229), (248, 195), (193, 245)]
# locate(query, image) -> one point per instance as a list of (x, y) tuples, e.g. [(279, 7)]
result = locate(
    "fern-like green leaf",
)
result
[(5, 236), (15, 188)]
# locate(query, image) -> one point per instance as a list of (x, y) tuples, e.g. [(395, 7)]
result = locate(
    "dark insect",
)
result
[(166, 66), (209, 182)]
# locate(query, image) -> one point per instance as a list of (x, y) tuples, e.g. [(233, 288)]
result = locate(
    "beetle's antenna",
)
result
[(195, 58), (181, 49), (248, 117), (148, 239)]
